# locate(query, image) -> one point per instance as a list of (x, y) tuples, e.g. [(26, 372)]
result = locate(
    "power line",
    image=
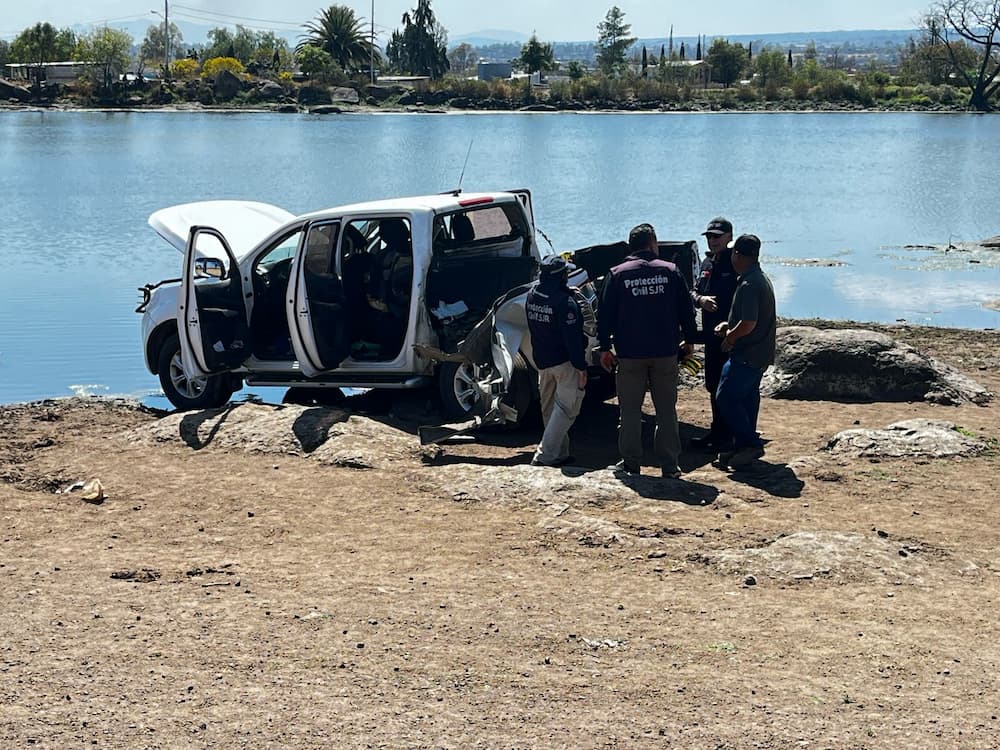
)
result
[(212, 13)]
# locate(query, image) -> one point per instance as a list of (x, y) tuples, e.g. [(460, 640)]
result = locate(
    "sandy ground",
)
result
[(288, 598)]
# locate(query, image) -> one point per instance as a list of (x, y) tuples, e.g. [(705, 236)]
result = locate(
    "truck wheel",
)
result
[(207, 392), (457, 387)]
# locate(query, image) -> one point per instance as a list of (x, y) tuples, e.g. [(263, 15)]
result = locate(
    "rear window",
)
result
[(500, 226)]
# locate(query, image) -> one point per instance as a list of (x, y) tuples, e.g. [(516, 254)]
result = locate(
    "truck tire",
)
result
[(209, 392), (458, 393)]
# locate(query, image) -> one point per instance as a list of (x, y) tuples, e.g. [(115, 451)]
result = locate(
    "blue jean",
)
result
[(738, 399)]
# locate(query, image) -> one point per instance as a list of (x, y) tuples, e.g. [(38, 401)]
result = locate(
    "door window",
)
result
[(271, 272), (376, 262)]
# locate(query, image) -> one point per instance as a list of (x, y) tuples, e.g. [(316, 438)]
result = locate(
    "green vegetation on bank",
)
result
[(954, 64)]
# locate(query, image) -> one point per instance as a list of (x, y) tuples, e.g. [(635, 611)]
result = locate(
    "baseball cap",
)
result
[(746, 244), (553, 265), (719, 225)]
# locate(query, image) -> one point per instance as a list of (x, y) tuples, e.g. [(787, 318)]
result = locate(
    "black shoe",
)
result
[(746, 456), (625, 466), (725, 457), (565, 460)]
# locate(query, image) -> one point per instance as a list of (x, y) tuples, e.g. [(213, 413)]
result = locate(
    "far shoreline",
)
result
[(363, 109)]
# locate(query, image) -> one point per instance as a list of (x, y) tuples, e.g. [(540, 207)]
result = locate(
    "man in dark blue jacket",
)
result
[(713, 294), (558, 344), (644, 309)]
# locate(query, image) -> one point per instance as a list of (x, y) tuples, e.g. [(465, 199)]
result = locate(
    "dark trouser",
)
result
[(715, 358), (739, 402), (658, 375)]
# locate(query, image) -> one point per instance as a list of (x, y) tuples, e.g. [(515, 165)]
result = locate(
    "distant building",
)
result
[(488, 71), (51, 72)]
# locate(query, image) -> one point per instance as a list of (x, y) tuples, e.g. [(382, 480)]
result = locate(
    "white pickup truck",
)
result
[(373, 295)]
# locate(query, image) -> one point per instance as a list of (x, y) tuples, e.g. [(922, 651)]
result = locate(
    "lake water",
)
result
[(76, 189)]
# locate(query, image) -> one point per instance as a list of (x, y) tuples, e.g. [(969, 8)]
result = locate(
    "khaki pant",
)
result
[(659, 376), (561, 397)]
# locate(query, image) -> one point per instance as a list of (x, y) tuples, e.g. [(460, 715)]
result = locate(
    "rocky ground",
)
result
[(296, 577)]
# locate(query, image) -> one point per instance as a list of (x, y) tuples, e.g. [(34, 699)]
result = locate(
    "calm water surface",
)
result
[(76, 189)]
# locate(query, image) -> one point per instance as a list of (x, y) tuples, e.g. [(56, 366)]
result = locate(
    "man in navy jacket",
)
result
[(713, 294), (647, 315)]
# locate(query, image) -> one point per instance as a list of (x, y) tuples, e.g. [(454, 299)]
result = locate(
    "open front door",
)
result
[(211, 311), (316, 309)]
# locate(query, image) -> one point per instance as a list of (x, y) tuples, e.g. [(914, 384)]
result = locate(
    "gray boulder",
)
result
[(860, 365), (325, 109), (912, 438), (344, 94), (270, 91), (10, 90), (381, 93), (227, 85)]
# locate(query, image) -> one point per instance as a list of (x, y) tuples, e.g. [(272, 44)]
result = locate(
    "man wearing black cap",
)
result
[(749, 338), (713, 295), (644, 307), (559, 348)]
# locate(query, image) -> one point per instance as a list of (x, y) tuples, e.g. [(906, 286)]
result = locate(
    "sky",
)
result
[(552, 20)]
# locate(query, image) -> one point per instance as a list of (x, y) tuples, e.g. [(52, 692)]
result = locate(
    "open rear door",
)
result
[(524, 196), (316, 309), (211, 311)]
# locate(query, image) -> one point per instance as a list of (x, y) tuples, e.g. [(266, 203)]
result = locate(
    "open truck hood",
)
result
[(242, 223)]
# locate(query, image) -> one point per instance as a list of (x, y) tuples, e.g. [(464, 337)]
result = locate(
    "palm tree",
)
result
[(340, 33)]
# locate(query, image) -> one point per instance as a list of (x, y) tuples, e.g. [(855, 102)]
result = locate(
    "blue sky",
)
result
[(553, 20)]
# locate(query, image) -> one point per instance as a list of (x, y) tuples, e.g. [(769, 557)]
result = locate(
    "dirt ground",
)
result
[(221, 597)]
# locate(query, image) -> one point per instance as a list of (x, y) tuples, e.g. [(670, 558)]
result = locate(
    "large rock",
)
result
[(993, 242), (227, 85), (381, 93), (270, 91), (344, 94), (10, 90), (912, 438), (314, 93), (860, 365)]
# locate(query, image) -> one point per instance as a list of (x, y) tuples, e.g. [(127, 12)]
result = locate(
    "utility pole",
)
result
[(166, 42), (372, 63)]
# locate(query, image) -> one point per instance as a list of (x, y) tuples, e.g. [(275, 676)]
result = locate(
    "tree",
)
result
[(613, 41), (977, 26), (220, 39), (727, 60), (341, 34), (771, 69), (536, 56), (40, 44), (789, 57), (4, 52), (314, 62), (152, 47), (109, 50), (463, 58), (421, 46)]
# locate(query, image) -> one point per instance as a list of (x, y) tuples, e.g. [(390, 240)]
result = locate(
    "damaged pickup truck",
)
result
[(400, 293)]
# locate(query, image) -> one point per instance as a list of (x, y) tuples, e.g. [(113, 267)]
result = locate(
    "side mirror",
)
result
[(209, 268)]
